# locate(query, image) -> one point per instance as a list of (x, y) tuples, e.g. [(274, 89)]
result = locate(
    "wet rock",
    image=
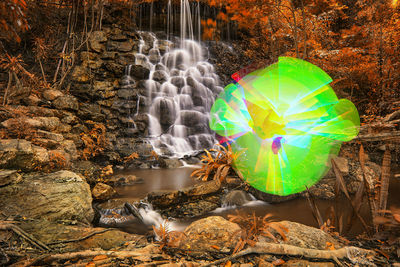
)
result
[(154, 58), (170, 163), (160, 76), (303, 236), (166, 198), (179, 82), (211, 231), (189, 202), (191, 117), (127, 81), (52, 94), (236, 198), (203, 188), (167, 112), (62, 195), (140, 72), (81, 74), (67, 102), (269, 197), (103, 192), (20, 154), (97, 41)]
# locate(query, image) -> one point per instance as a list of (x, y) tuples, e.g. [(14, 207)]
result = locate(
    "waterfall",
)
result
[(180, 91), (181, 87), (198, 21)]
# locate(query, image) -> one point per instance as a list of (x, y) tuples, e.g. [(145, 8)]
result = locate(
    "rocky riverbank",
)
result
[(58, 150)]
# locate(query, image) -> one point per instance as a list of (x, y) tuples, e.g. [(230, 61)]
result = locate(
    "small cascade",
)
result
[(181, 86), (146, 217), (180, 91)]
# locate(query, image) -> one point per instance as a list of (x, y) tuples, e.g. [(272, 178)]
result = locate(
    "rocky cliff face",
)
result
[(107, 96)]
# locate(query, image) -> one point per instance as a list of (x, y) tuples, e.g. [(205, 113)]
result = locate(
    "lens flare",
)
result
[(288, 122)]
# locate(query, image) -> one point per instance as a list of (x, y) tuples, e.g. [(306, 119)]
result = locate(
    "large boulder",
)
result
[(20, 154), (192, 201), (58, 196), (304, 236), (236, 198), (48, 232), (211, 234)]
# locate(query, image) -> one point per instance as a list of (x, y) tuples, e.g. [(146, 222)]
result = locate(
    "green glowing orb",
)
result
[(287, 122)]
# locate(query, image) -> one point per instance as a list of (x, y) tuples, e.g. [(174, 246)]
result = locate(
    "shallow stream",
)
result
[(297, 210)]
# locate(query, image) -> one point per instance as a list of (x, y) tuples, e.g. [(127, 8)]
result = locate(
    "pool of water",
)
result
[(297, 210)]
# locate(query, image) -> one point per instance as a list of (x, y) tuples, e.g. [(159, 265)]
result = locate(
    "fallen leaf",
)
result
[(100, 257), (216, 247), (330, 246), (228, 264), (278, 262)]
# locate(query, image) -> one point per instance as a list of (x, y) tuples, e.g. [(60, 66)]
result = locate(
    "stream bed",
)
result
[(296, 210)]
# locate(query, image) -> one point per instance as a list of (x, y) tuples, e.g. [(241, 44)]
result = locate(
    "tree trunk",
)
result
[(385, 176)]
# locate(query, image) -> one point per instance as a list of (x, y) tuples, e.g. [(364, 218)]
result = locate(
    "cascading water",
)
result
[(181, 89)]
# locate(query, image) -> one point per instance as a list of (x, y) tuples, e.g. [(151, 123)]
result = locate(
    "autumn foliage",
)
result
[(355, 42), (13, 19), (95, 140), (216, 167)]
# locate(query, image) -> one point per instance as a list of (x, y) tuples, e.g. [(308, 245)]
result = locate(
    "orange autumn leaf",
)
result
[(215, 247), (330, 246), (278, 262), (100, 257)]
